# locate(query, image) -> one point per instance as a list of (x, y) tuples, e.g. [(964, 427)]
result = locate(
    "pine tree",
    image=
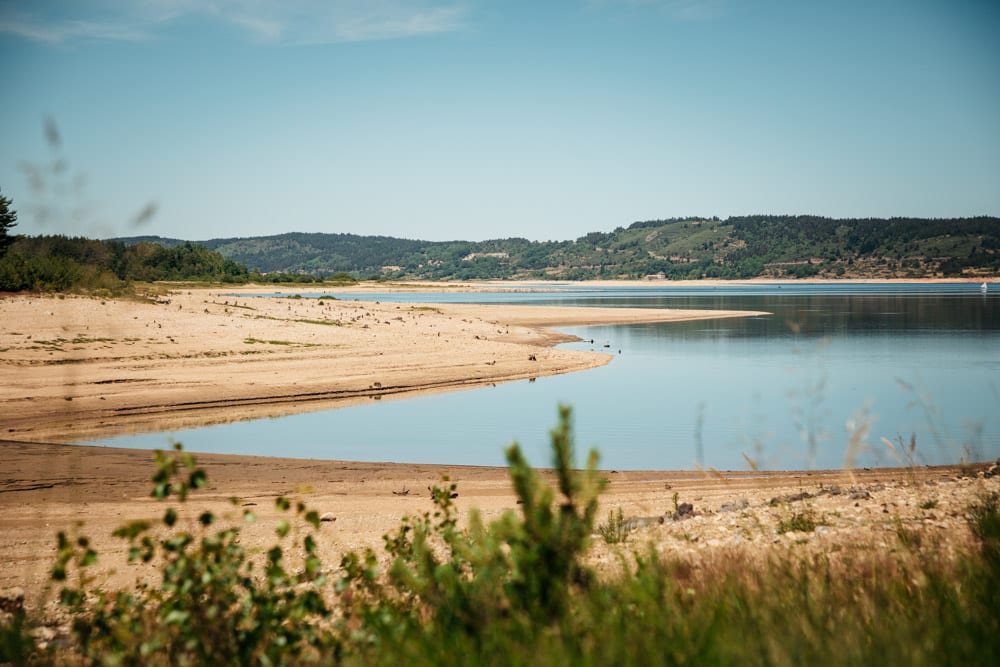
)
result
[(8, 219)]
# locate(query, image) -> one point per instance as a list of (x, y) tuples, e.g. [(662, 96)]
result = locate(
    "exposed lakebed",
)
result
[(833, 370)]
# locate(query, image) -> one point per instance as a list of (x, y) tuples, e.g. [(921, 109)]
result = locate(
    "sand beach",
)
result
[(78, 367)]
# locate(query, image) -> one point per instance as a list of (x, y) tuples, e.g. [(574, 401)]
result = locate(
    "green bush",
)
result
[(803, 522), (519, 573), (616, 529), (210, 607)]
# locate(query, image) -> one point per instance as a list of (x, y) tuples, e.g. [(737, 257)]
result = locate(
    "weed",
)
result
[(984, 521), (81, 340), (911, 538), (253, 341), (329, 323), (802, 522), (525, 568), (616, 529), (17, 645)]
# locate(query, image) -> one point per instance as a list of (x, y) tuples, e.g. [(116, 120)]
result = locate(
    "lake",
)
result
[(834, 370)]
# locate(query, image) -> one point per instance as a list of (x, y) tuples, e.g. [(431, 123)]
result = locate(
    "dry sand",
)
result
[(76, 367)]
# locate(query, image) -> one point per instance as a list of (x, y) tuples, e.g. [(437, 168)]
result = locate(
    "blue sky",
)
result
[(473, 120)]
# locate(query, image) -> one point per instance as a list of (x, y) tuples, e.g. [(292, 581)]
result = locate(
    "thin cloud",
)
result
[(288, 22), (70, 30), (695, 10), (262, 29), (678, 10), (384, 23)]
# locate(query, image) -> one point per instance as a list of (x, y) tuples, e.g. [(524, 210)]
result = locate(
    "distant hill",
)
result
[(737, 248)]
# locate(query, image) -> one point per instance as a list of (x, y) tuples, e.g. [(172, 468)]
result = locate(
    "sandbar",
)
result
[(82, 368)]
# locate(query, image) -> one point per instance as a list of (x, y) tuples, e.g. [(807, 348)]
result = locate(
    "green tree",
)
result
[(8, 219)]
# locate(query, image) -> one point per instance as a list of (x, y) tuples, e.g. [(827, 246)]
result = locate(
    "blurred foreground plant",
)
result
[(210, 606), (515, 591), (519, 571)]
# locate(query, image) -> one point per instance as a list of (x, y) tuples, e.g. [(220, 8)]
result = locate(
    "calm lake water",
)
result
[(834, 363)]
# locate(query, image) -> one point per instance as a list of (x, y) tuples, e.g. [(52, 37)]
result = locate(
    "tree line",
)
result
[(696, 247), (693, 247), (55, 263)]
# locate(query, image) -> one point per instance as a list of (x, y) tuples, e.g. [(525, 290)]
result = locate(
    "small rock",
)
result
[(328, 516), (740, 504), (12, 600), (684, 510), (791, 498)]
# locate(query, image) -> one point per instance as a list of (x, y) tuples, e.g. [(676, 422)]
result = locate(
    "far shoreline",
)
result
[(541, 285)]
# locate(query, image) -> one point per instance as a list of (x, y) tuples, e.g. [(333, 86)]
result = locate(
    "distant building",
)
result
[(475, 255)]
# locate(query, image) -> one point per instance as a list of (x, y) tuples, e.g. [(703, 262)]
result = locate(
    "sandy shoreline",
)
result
[(75, 367), (543, 285), (78, 368)]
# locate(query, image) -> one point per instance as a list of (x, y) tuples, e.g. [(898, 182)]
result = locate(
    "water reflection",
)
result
[(787, 391)]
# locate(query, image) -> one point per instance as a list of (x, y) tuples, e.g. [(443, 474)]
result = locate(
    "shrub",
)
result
[(519, 573), (514, 591), (803, 522), (616, 529), (210, 607)]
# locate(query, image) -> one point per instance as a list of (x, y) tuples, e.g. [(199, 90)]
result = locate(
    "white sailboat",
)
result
[(983, 288)]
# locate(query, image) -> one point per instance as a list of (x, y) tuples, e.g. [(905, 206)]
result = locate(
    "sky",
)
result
[(473, 120)]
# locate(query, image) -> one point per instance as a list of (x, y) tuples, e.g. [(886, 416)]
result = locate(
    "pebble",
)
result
[(12, 600), (740, 504)]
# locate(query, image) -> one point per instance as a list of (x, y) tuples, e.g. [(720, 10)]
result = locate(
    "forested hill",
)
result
[(738, 247)]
